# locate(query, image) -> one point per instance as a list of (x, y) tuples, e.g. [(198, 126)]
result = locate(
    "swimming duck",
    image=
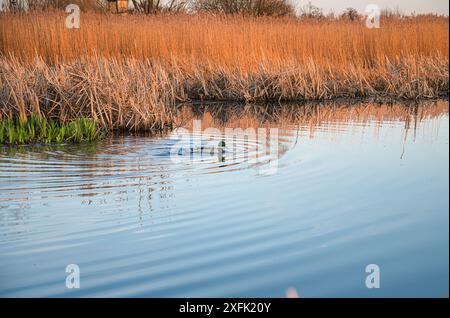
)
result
[(205, 149)]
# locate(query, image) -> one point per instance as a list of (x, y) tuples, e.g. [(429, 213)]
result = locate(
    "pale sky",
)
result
[(405, 6)]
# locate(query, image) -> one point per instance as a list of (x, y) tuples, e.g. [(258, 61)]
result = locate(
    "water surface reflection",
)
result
[(354, 185)]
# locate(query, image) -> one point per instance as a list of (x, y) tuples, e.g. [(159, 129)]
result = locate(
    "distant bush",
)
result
[(157, 6), (351, 14), (22, 5), (245, 7)]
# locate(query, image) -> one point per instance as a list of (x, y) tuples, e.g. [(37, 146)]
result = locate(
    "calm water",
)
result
[(347, 186)]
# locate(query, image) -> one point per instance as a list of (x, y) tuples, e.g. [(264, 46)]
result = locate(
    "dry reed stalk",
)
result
[(130, 72), (131, 94), (224, 40)]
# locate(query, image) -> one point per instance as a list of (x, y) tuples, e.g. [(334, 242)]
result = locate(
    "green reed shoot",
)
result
[(36, 129)]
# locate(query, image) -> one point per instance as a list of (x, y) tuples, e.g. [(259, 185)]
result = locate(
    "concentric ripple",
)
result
[(242, 214)]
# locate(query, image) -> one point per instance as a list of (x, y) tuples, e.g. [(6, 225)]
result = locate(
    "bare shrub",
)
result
[(245, 7)]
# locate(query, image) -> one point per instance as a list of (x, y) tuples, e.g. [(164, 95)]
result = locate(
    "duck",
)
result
[(205, 149)]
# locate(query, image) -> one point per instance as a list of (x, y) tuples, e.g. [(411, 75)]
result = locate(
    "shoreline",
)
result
[(221, 113), (136, 95)]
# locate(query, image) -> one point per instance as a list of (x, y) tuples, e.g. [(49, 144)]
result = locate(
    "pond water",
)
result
[(303, 196)]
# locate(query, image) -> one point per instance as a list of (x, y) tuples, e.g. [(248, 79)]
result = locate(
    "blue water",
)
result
[(343, 192)]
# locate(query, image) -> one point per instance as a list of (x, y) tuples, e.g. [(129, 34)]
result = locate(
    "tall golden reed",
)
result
[(129, 71), (224, 40)]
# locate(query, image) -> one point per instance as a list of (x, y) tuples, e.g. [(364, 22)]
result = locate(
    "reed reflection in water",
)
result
[(355, 185)]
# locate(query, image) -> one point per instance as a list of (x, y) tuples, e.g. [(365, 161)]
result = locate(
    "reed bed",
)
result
[(225, 40), (141, 95), (130, 72)]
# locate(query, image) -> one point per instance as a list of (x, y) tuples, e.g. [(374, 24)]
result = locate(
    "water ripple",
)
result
[(185, 215)]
